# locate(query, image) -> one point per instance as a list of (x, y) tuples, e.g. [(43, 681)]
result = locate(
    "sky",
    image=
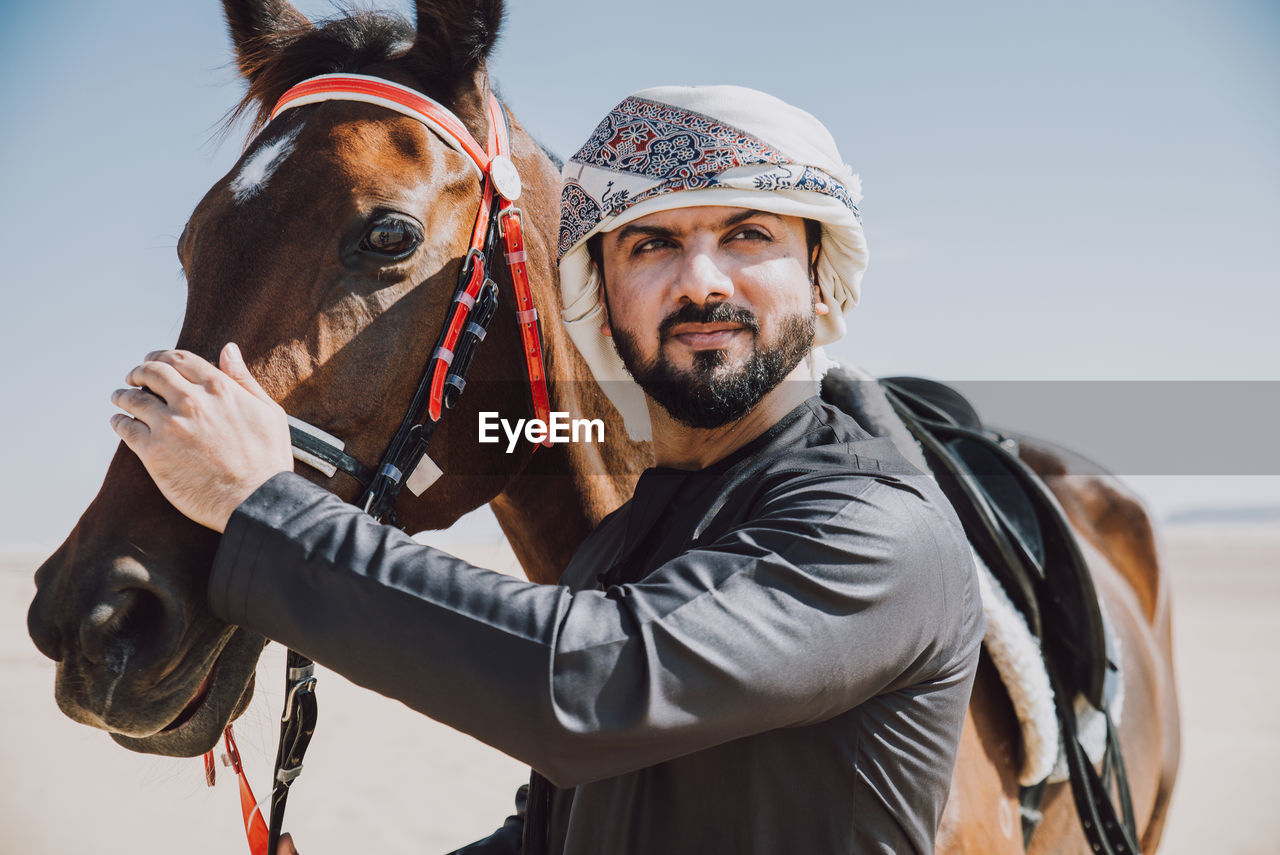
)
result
[(1080, 197)]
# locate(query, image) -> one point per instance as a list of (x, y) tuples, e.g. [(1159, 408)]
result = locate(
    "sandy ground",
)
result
[(382, 779)]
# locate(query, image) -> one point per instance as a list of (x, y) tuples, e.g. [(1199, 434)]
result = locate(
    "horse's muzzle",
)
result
[(134, 657)]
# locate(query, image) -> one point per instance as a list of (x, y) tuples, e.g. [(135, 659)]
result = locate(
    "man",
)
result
[(770, 648)]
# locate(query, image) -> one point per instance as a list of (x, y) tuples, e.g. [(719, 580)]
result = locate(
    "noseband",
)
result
[(475, 300)]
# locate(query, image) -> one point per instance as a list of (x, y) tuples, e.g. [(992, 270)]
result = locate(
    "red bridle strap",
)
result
[(511, 225), (393, 96), (457, 318)]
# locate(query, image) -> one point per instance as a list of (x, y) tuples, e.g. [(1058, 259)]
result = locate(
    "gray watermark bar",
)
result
[(1143, 427), (1126, 427)]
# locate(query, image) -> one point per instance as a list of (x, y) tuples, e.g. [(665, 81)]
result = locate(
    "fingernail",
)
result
[(234, 350)]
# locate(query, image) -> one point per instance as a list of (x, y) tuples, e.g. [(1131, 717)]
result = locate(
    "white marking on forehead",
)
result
[(259, 166)]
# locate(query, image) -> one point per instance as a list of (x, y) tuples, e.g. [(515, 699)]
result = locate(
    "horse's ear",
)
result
[(454, 39), (259, 28)]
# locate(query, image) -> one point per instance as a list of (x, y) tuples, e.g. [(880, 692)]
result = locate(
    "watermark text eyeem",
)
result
[(560, 428)]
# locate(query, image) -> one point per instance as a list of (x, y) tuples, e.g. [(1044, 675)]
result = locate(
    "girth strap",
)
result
[(1106, 832)]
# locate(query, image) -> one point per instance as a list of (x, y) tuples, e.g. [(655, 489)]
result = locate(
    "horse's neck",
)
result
[(566, 489)]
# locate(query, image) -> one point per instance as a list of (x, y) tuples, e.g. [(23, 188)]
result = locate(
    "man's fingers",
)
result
[(232, 364), (130, 430), (194, 368), (160, 377), (286, 846), (139, 403)]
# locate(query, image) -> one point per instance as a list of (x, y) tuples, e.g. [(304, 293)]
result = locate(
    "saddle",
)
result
[(1020, 531)]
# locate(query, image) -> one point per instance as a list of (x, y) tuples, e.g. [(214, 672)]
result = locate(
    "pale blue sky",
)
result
[(1084, 191)]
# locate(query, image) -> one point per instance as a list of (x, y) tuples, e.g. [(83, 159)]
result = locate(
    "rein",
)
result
[(405, 461)]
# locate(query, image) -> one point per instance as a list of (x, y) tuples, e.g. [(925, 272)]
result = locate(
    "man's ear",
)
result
[(819, 306), (605, 327)]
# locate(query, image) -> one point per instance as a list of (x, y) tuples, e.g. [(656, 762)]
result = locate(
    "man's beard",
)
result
[(712, 394)]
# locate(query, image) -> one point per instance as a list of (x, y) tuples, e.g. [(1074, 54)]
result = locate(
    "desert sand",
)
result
[(382, 779)]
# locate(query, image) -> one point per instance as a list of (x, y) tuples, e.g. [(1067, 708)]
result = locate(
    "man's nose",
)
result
[(701, 279)]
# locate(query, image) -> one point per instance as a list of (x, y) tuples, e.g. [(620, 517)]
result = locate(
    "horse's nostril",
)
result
[(145, 616), (123, 623)]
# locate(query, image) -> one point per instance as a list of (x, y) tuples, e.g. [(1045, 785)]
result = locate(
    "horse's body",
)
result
[(276, 262)]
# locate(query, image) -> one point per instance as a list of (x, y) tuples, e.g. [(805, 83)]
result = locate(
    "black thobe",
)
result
[(773, 654)]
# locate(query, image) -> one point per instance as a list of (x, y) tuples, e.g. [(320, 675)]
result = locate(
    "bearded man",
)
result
[(770, 648)]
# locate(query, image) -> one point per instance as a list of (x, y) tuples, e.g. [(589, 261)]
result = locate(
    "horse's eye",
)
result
[(393, 236)]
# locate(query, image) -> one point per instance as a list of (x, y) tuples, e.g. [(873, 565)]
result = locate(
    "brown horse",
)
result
[(337, 328)]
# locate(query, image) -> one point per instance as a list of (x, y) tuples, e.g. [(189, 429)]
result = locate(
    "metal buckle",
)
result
[(291, 701), (510, 211), (469, 262)]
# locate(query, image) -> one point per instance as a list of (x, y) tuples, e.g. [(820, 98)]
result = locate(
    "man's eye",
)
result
[(393, 236), (751, 234), (651, 244)]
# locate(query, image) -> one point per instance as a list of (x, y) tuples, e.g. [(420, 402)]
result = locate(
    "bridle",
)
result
[(405, 461)]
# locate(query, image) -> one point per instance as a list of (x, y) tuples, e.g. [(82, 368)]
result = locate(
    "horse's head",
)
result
[(330, 253)]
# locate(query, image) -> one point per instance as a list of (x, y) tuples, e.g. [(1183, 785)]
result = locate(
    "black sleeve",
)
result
[(832, 593)]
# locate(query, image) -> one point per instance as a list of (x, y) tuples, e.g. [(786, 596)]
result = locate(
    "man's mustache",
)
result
[(712, 313)]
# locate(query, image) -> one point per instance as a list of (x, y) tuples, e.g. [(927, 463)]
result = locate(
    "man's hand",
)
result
[(207, 437)]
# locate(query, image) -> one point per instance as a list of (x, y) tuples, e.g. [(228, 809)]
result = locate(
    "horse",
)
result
[(298, 254)]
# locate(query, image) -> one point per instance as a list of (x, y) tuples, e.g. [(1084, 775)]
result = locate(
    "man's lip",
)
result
[(705, 335), (686, 329)]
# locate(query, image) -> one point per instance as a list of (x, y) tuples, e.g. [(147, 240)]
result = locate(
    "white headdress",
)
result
[(682, 146)]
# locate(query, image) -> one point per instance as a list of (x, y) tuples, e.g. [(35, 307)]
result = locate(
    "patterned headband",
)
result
[(643, 149)]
